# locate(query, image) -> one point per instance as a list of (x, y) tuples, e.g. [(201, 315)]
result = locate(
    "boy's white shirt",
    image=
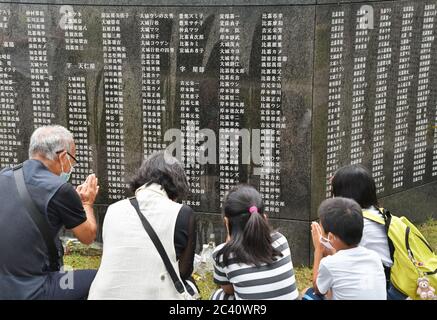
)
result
[(353, 274)]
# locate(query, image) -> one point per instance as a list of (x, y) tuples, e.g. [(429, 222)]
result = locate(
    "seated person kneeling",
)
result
[(348, 271), (255, 261), (132, 268)]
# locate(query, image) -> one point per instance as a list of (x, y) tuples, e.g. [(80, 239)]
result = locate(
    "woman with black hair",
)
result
[(356, 182), (131, 266), (255, 262)]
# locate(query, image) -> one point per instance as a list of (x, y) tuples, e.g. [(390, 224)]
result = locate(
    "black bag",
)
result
[(187, 293)]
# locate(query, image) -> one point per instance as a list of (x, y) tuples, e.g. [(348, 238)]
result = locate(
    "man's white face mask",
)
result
[(66, 175)]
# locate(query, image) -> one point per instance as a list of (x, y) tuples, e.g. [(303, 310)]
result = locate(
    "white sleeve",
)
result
[(367, 233), (324, 279)]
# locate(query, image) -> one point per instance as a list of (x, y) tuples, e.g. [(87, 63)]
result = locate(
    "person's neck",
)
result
[(47, 163), (345, 247)]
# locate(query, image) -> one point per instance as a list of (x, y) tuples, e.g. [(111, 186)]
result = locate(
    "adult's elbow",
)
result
[(91, 237), (86, 232), (88, 240)]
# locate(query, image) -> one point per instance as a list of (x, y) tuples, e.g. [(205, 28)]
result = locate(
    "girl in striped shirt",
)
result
[(255, 262)]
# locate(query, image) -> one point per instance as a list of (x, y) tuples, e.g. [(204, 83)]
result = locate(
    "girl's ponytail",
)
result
[(251, 240)]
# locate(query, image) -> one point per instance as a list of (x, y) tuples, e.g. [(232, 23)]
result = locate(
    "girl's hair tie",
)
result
[(253, 209)]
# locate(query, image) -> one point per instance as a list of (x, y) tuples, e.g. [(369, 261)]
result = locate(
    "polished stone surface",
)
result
[(109, 90)]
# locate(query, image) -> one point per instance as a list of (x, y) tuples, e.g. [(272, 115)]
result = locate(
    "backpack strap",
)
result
[(386, 215), (387, 218), (37, 217), (369, 216), (384, 220), (155, 239)]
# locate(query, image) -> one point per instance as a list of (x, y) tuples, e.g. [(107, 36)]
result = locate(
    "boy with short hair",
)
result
[(343, 270)]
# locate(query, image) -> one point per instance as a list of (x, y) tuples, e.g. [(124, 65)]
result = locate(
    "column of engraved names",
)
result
[(230, 106), (434, 155), (153, 104), (335, 94), (113, 55), (190, 46), (359, 88), (402, 103), (77, 115), (39, 68), (9, 115), (78, 124), (383, 65), (428, 19), (74, 31), (271, 92), (423, 93)]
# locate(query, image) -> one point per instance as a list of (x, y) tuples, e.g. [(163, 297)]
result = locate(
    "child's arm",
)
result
[(220, 276), (318, 255), (319, 250)]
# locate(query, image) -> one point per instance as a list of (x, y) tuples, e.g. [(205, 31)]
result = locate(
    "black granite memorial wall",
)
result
[(286, 92)]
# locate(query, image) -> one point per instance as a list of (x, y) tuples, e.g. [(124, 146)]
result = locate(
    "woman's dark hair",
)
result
[(162, 168), (344, 218), (251, 240), (355, 182)]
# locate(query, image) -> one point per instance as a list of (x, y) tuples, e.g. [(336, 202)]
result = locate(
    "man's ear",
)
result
[(60, 161), (62, 155)]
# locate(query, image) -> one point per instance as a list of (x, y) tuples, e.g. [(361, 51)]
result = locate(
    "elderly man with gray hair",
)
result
[(37, 201)]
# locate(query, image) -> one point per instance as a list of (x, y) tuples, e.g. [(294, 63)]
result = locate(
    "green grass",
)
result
[(206, 285), (304, 277), (83, 259), (429, 230), (78, 261)]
